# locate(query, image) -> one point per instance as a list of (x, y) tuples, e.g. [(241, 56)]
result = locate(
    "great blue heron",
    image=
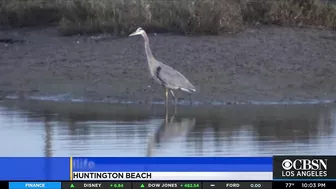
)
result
[(163, 74)]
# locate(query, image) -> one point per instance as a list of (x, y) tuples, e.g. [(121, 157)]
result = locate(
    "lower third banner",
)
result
[(228, 168)]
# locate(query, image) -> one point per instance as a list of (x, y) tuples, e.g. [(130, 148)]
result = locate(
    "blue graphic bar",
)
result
[(34, 185), (174, 164), (34, 168)]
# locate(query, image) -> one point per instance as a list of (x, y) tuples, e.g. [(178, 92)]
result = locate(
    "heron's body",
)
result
[(163, 74), (172, 79)]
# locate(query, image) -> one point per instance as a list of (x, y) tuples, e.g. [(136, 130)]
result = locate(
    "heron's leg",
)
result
[(166, 98), (172, 117), (166, 118), (175, 99), (191, 100)]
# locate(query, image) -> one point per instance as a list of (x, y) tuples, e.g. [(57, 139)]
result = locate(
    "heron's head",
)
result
[(139, 31)]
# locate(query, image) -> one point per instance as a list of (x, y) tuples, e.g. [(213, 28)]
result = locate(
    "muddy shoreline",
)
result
[(270, 64)]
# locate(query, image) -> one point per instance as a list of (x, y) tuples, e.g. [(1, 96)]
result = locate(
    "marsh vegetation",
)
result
[(188, 16)]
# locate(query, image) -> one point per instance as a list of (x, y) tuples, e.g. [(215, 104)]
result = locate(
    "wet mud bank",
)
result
[(270, 64)]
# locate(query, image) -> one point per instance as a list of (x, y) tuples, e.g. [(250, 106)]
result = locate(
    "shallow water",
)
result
[(37, 128)]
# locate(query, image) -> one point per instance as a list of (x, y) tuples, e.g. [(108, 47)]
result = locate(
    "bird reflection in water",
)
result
[(48, 134), (169, 130)]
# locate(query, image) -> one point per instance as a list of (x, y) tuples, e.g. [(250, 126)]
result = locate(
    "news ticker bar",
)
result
[(177, 185)]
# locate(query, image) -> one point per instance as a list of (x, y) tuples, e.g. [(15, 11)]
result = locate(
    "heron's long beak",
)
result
[(134, 33)]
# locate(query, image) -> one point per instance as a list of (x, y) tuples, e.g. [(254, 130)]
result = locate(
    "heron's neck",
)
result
[(147, 48)]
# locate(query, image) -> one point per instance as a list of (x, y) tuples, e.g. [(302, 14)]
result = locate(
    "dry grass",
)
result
[(313, 13), (184, 16), (20, 13), (122, 16)]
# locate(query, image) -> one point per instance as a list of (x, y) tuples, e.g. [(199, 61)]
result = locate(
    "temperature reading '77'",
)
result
[(289, 185)]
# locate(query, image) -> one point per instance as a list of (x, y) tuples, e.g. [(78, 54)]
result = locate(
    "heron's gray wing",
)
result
[(173, 79)]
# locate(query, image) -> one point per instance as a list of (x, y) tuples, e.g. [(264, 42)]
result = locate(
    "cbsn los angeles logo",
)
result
[(305, 168)]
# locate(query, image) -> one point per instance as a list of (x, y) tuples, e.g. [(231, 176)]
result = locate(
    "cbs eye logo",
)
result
[(287, 164)]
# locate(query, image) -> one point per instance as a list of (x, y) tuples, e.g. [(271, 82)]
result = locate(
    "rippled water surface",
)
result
[(37, 128)]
